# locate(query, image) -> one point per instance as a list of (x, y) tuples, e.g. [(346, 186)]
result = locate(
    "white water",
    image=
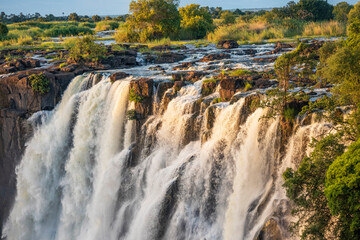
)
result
[(78, 178)]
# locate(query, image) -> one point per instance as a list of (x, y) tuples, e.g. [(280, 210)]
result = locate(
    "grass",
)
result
[(324, 29), (34, 32), (240, 72), (260, 30)]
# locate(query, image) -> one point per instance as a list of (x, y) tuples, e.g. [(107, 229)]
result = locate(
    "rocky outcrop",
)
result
[(228, 87), (141, 92), (17, 102), (227, 44), (184, 66), (118, 76), (215, 56), (271, 231), (208, 87), (191, 76), (19, 65)]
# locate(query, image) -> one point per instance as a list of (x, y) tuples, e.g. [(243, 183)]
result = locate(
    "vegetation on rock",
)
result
[(39, 83)]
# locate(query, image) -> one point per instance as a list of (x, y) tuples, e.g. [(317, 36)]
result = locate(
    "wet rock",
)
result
[(141, 91), (156, 68), (163, 87), (191, 76), (215, 56), (265, 59), (249, 51), (178, 85), (227, 44), (119, 61), (118, 76), (263, 83), (162, 48), (228, 87), (271, 231), (70, 68), (169, 57), (208, 87), (184, 66)]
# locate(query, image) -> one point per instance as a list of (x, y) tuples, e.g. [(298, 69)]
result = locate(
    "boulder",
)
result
[(228, 87), (208, 87), (169, 57), (162, 48), (227, 44), (118, 76), (184, 66), (215, 56), (191, 76)]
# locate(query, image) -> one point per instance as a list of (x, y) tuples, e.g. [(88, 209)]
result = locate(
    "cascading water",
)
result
[(78, 179)]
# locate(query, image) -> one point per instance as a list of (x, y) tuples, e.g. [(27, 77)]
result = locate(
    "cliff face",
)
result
[(17, 103)]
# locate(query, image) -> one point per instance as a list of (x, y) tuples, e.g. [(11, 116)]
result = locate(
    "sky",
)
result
[(118, 7)]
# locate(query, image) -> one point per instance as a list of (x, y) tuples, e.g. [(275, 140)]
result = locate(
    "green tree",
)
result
[(343, 191), (73, 17), (108, 18), (196, 21), (3, 30), (228, 17), (96, 18), (305, 187), (341, 11), (316, 10), (354, 14), (150, 19)]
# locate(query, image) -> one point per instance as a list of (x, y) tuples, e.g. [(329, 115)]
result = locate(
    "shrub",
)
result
[(247, 87), (3, 30), (240, 72), (131, 115), (343, 191), (84, 49), (133, 97), (106, 25), (289, 114), (39, 83)]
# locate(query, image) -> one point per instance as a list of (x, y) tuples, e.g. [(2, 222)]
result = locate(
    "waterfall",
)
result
[(79, 177)]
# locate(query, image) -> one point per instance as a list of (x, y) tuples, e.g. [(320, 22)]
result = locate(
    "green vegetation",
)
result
[(248, 86), (133, 97), (240, 72), (131, 115), (3, 30), (106, 25), (39, 83), (196, 22), (149, 20), (325, 188), (341, 10), (84, 49), (342, 190)]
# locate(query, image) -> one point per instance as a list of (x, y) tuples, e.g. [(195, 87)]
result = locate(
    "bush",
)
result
[(106, 25), (131, 115), (133, 97), (84, 49), (39, 83), (3, 30), (343, 191)]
